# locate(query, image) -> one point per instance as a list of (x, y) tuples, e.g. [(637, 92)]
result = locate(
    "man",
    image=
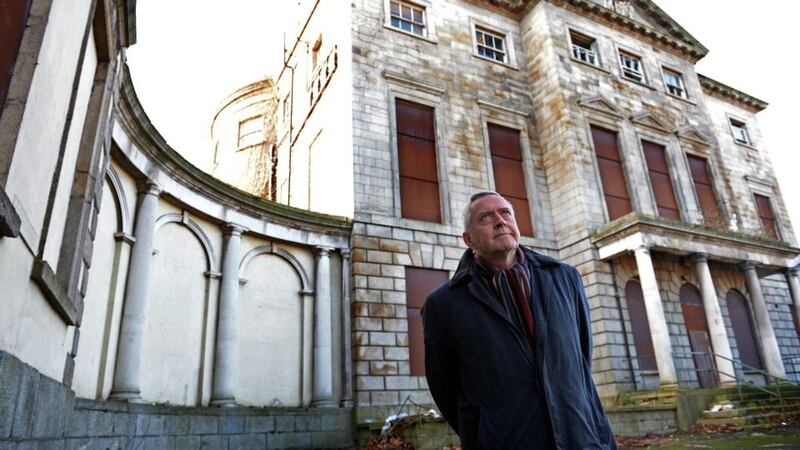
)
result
[(508, 343)]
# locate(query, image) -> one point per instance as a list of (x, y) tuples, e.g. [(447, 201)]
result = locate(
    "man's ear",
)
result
[(467, 239)]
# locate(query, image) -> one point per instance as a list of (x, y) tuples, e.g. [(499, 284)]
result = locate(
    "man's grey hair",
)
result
[(473, 199)]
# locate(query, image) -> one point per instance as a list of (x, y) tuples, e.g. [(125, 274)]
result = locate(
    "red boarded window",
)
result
[(705, 191), (612, 174), (419, 283), (765, 214), (13, 17), (509, 177), (743, 329), (637, 314), (656, 158), (416, 154)]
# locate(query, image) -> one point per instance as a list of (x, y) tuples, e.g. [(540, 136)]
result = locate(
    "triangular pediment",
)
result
[(646, 13), (600, 104), (692, 133), (650, 120)]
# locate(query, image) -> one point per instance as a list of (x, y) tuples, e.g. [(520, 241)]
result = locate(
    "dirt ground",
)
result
[(777, 437)]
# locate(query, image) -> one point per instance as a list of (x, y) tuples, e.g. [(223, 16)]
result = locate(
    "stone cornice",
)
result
[(686, 238), (715, 88), (679, 40), (137, 125)]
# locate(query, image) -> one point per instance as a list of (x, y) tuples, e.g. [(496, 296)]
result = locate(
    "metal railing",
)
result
[(709, 367)]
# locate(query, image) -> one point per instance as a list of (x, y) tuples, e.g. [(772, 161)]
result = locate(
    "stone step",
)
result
[(749, 411), (754, 395), (748, 420)]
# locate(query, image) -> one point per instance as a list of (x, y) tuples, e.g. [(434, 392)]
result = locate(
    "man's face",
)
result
[(493, 229)]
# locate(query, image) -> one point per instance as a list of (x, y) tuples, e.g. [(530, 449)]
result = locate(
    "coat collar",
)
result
[(467, 266)]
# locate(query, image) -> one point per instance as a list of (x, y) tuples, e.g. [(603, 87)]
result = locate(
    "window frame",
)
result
[(715, 187), (495, 31), (665, 71), (404, 89), (622, 67), (671, 172), (428, 29), (594, 47), (732, 126), (240, 136), (764, 189)]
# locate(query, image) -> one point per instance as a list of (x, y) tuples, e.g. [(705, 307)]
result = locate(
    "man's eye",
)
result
[(507, 214)]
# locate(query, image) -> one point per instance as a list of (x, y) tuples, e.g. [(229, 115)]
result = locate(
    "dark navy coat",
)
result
[(493, 390)]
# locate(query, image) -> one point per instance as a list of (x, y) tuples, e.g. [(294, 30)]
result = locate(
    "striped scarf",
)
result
[(513, 288)]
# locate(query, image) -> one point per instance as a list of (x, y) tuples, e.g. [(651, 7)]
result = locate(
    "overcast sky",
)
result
[(191, 53)]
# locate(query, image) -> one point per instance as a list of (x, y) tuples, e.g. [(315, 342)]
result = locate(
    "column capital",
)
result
[(124, 237), (345, 252), (645, 248), (149, 187), (793, 271), (323, 250), (699, 257), (232, 229), (749, 265)]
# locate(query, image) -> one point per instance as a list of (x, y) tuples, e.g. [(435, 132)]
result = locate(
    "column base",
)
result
[(228, 402), (126, 397), (727, 383), (346, 403), (327, 403)]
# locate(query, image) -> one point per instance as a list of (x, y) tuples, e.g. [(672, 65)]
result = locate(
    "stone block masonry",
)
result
[(37, 412)]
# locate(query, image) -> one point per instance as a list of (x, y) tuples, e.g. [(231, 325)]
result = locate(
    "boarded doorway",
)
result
[(694, 316)]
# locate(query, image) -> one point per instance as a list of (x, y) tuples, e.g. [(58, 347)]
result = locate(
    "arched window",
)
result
[(637, 314), (743, 330)]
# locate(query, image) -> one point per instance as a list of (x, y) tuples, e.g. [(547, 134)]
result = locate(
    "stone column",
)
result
[(716, 326), (347, 366), (768, 342), (137, 290), (323, 358), (793, 279), (225, 351), (655, 317)]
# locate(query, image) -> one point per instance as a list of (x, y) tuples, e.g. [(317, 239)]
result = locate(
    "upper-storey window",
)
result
[(612, 173), (674, 82), (584, 48), (658, 169), (251, 131), (416, 155), (631, 67), (509, 173), (767, 218), (491, 44), (407, 17), (739, 130), (703, 186)]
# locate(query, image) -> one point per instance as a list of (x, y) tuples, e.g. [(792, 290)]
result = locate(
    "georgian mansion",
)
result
[(276, 304)]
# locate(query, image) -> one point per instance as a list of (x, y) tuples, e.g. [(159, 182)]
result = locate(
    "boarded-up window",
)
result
[(612, 174), (13, 17), (656, 158), (637, 315), (416, 154), (743, 329), (419, 283), (509, 176), (766, 216), (705, 191)]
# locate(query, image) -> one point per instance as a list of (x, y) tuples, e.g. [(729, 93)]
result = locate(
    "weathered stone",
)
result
[(306, 422), (214, 442), (259, 424), (204, 425), (247, 441), (176, 425), (289, 440), (284, 423), (11, 370), (24, 409), (187, 442)]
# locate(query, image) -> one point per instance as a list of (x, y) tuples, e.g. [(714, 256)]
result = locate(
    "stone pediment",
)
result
[(650, 120), (598, 103), (693, 134)]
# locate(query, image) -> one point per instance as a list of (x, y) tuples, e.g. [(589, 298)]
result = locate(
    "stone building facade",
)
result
[(620, 159)]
